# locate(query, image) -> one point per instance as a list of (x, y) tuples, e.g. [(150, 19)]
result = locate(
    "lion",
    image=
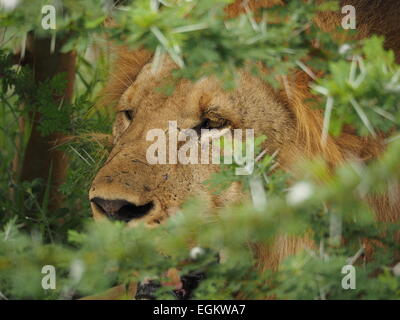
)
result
[(129, 189)]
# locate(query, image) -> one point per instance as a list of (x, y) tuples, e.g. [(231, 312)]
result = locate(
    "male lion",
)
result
[(127, 188)]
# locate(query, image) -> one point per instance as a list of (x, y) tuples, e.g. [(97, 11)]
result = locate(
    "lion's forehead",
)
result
[(146, 96)]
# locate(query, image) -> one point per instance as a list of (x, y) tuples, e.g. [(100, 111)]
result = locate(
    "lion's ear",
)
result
[(123, 72)]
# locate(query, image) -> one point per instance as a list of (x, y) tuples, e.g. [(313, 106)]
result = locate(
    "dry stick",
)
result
[(363, 116), (359, 253), (80, 156), (327, 120)]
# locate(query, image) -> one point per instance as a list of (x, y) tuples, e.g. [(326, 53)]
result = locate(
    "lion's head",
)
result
[(129, 188)]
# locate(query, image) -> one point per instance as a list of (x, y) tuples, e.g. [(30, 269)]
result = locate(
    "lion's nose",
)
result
[(122, 210)]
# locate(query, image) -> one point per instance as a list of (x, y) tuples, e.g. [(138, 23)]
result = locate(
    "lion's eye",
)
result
[(128, 114), (213, 124), (210, 124)]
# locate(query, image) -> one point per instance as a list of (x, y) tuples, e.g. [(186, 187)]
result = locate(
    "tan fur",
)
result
[(292, 126)]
